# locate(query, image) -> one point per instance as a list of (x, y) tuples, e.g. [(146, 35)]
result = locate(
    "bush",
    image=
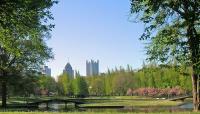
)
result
[(129, 92), (157, 92)]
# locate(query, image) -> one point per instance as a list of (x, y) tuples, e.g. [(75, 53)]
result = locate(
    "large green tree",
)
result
[(65, 84), (80, 86), (97, 86), (47, 82), (173, 32), (121, 82), (24, 27)]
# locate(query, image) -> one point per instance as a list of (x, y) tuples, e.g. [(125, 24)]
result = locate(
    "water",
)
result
[(186, 106), (54, 106), (57, 107), (61, 107), (141, 109)]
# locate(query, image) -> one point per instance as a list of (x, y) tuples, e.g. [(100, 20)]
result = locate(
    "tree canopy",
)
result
[(167, 23), (23, 31)]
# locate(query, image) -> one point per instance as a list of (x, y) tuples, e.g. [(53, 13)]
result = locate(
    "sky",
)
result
[(94, 29)]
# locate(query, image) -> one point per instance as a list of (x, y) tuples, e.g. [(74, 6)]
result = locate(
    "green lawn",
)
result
[(95, 113), (119, 97), (135, 103)]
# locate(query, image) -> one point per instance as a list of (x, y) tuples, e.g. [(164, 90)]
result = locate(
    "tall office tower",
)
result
[(46, 71), (92, 68), (68, 69)]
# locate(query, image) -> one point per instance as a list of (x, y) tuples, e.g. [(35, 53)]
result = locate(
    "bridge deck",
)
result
[(56, 100), (180, 98)]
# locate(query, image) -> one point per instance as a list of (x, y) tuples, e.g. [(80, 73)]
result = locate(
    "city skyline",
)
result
[(68, 67), (95, 30)]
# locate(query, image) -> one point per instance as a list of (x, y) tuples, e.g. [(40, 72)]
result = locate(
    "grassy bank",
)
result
[(120, 97), (136, 101)]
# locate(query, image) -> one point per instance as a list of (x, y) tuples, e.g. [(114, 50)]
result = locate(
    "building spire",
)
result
[(68, 59)]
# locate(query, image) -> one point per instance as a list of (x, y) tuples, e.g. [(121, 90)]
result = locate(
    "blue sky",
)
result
[(95, 29)]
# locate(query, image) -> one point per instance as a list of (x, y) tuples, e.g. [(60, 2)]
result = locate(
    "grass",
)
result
[(136, 103), (128, 101), (119, 97), (96, 113)]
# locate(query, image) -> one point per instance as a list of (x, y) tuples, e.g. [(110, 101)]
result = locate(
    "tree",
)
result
[(108, 85), (97, 87), (47, 82), (65, 84), (121, 82), (80, 86), (174, 32), (24, 27)]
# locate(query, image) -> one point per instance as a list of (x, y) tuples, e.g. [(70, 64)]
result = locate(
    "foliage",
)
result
[(72, 86), (121, 82), (151, 80), (80, 87), (47, 82), (97, 87), (118, 82), (22, 38), (19, 87), (158, 92), (65, 84), (167, 23)]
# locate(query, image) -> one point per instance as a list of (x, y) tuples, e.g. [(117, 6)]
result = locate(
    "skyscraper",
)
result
[(46, 71), (92, 68), (68, 69)]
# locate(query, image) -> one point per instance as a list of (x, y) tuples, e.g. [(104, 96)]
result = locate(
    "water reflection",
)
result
[(186, 106), (140, 109), (61, 107), (56, 106)]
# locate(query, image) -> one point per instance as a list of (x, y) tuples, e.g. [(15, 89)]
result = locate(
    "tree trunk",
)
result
[(4, 94), (195, 92), (198, 92), (194, 43)]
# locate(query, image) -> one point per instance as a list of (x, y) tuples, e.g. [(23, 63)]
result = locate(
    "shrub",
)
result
[(157, 92)]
